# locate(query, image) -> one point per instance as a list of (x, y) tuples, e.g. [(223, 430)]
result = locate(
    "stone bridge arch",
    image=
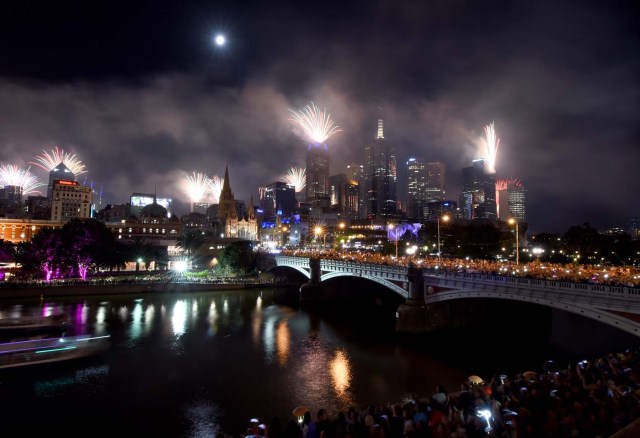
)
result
[(388, 284)]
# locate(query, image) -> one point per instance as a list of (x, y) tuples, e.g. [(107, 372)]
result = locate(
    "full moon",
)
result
[(219, 40)]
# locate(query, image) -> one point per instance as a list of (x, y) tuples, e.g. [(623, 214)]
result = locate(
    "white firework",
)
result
[(297, 177), (49, 161), (316, 124), (491, 143), (11, 175), (195, 186), (215, 188)]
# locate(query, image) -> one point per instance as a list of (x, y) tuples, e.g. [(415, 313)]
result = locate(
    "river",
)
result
[(196, 364)]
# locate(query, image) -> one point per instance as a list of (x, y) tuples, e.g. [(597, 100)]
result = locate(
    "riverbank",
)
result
[(123, 288)]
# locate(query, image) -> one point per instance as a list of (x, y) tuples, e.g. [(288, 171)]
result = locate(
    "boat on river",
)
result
[(25, 323), (40, 351)]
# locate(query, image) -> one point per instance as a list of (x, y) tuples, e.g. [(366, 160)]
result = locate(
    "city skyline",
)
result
[(558, 80)]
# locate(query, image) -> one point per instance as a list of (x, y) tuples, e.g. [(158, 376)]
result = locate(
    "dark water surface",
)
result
[(194, 364)]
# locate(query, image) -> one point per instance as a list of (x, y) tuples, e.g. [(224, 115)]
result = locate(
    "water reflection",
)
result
[(283, 340), (341, 375), (212, 318), (179, 318), (99, 327), (148, 318), (135, 329)]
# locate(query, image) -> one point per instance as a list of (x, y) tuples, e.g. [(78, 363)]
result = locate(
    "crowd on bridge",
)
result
[(628, 276), (591, 399)]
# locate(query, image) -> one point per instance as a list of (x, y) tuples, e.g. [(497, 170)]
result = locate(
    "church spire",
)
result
[(252, 213), (380, 124), (226, 178)]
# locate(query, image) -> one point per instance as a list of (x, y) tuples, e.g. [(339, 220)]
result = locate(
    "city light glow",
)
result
[(316, 123)]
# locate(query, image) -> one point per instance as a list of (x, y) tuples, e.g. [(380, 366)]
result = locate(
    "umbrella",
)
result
[(530, 375), (300, 411), (476, 380)]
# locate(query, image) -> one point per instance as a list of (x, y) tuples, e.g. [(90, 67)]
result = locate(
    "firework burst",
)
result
[(491, 143), (49, 161), (215, 188), (11, 175), (195, 186), (296, 176), (316, 124), (503, 183)]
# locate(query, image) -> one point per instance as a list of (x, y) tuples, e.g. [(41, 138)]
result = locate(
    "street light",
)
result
[(318, 232), (391, 227), (511, 222), (445, 218)]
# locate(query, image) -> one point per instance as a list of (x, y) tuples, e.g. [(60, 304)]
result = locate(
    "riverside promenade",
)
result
[(103, 286)]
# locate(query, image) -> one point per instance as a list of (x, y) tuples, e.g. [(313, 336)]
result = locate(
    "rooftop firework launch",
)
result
[(49, 161), (11, 175), (316, 124)]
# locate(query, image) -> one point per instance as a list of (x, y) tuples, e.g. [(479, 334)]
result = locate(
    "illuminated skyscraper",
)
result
[(70, 200), (380, 175), (355, 172), (317, 188), (59, 172), (278, 197), (344, 196), (416, 187), (435, 181), (478, 198), (516, 201)]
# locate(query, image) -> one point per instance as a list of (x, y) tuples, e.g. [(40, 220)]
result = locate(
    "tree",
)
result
[(89, 244), (7, 251), (237, 257)]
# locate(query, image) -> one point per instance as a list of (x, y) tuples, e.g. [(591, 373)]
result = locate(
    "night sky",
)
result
[(141, 94)]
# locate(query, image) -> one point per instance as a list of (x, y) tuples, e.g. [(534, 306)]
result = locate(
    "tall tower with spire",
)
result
[(380, 177)]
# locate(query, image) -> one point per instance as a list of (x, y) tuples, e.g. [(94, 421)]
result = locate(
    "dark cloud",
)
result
[(559, 79)]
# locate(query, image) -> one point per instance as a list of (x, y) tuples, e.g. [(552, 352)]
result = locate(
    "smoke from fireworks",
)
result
[(296, 176), (11, 175), (49, 161), (491, 143), (316, 124), (196, 186), (215, 188)]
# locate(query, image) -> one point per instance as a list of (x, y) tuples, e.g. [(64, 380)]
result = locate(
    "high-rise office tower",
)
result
[(380, 175), (478, 198), (510, 199), (344, 196), (516, 201), (317, 188), (435, 181), (416, 187), (355, 172), (278, 197), (58, 173)]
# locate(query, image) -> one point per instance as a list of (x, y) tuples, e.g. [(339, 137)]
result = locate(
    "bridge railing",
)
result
[(531, 283)]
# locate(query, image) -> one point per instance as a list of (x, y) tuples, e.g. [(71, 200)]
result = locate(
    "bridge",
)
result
[(613, 305)]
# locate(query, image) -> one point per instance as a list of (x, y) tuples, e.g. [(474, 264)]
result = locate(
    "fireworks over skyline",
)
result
[(49, 161), (296, 176), (316, 124), (503, 183), (195, 186), (215, 188), (490, 143), (12, 175)]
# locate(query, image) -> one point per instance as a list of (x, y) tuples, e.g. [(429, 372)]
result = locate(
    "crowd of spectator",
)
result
[(591, 399), (628, 276)]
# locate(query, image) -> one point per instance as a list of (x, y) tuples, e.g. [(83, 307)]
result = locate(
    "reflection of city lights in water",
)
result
[(194, 310), (100, 317), (136, 325), (340, 372), (268, 338), (123, 312), (258, 304), (225, 307), (179, 318), (212, 318), (283, 340), (47, 310), (148, 318)]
